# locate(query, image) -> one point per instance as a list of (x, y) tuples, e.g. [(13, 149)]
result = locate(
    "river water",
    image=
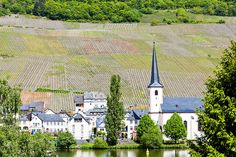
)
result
[(125, 153)]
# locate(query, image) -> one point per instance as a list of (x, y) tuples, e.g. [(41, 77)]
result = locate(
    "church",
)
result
[(161, 108)]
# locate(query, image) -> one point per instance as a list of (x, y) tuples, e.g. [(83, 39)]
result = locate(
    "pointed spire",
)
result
[(155, 79)]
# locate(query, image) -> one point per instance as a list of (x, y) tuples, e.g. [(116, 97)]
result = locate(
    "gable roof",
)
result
[(155, 79), (181, 104), (35, 105), (48, 117), (80, 116)]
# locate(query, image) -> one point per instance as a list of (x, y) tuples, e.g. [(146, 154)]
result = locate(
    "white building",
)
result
[(90, 100), (161, 108), (80, 127), (39, 121)]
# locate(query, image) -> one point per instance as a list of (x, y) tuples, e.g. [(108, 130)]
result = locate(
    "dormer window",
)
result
[(156, 92)]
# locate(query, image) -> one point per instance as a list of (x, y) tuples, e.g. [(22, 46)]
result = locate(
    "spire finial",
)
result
[(154, 44)]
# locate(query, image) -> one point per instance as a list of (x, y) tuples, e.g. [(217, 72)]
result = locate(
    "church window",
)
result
[(185, 124), (156, 92)]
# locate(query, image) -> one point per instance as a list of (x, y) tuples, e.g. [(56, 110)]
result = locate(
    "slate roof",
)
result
[(94, 96), (96, 111), (78, 99), (137, 114), (100, 122), (80, 116), (48, 117), (155, 79), (23, 118), (36, 106), (181, 104)]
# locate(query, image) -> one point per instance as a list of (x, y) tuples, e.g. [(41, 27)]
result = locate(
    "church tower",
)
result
[(155, 89)]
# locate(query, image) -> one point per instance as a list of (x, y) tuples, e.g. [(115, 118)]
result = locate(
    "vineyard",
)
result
[(38, 53)]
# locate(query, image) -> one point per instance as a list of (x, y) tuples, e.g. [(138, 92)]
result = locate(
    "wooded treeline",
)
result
[(112, 10)]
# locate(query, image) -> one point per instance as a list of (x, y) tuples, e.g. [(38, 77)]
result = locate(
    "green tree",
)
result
[(174, 128), (41, 144), (115, 111), (149, 134), (65, 140), (9, 102), (152, 138), (218, 118), (144, 125)]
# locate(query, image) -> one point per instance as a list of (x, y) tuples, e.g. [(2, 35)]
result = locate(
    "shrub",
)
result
[(155, 22), (151, 139), (65, 140), (221, 21), (86, 146), (100, 144)]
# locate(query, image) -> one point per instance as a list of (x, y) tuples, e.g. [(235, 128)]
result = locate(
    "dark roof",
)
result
[(78, 99), (94, 96), (36, 106), (96, 111), (23, 118), (181, 104), (48, 117), (100, 122), (136, 114), (155, 79), (80, 116)]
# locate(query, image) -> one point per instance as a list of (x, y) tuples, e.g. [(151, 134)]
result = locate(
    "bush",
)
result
[(221, 21), (86, 146), (65, 140), (100, 144), (151, 140), (155, 22)]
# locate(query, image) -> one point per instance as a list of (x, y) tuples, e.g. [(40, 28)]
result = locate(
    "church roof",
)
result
[(155, 79), (181, 104)]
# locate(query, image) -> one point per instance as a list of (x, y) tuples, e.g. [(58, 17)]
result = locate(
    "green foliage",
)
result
[(218, 118), (9, 103), (149, 134), (126, 146), (65, 140), (86, 146), (175, 128), (115, 111), (152, 138), (155, 22), (145, 123), (100, 144), (14, 143), (62, 91), (42, 144), (112, 10)]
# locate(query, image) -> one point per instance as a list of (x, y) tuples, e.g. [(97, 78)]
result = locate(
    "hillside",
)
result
[(83, 56)]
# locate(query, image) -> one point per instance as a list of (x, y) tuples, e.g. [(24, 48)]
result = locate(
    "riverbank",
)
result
[(133, 146)]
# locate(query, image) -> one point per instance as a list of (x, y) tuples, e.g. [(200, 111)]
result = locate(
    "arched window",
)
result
[(156, 92), (186, 124)]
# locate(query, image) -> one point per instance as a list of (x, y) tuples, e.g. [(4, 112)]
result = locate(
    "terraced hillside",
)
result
[(83, 56)]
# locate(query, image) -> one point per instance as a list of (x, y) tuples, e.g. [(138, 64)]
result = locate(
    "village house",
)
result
[(91, 108)]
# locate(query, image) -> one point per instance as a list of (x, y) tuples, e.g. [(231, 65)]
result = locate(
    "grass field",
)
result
[(83, 56)]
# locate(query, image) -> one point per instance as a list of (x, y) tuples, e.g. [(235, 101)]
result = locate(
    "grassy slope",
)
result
[(83, 56)]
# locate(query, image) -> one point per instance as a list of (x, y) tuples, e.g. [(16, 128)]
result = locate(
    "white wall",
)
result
[(90, 104), (80, 129), (192, 123)]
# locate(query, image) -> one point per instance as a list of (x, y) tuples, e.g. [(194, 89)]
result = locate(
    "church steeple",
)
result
[(155, 79)]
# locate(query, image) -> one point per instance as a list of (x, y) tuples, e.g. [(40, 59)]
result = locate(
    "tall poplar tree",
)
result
[(115, 111), (218, 119)]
